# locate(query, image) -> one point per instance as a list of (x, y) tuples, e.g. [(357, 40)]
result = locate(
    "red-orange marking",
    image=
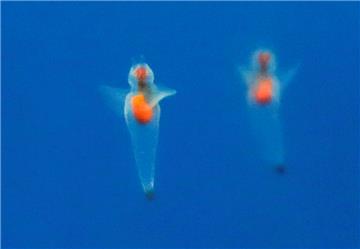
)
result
[(263, 59), (263, 92), (141, 73), (142, 111)]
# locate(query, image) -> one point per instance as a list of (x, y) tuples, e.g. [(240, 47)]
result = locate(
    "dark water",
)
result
[(68, 173)]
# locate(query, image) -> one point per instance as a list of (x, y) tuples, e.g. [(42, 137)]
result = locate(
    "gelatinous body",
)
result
[(264, 90), (142, 114)]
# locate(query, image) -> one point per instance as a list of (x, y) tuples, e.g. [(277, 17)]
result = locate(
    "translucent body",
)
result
[(144, 138), (264, 91), (267, 131), (141, 111)]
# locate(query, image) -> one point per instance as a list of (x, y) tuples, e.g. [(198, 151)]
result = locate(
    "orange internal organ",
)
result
[(141, 73), (141, 110), (263, 91)]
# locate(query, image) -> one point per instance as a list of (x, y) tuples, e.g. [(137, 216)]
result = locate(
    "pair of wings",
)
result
[(116, 98), (249, 76)]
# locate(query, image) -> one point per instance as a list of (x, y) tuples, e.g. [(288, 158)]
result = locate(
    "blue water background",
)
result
[(68, 172)]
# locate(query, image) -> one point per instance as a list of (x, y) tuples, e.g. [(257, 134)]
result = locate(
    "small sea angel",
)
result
[(263, 94), (141, 110)]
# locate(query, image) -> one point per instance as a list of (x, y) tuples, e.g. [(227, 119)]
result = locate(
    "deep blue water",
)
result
[(68, 172)]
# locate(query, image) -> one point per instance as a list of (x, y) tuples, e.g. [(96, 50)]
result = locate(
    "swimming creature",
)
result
[(141, 110), (264, 88)]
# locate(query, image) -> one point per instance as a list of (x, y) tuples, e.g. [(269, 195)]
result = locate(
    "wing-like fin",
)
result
[(247, 76), (158, 93), (114, 98), (286, 78)]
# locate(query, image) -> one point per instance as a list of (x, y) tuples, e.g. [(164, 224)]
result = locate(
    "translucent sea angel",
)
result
[(264, 89), (141, 110)]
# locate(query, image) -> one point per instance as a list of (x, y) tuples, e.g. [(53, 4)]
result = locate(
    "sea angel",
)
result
[(264, 89), (141, 110)]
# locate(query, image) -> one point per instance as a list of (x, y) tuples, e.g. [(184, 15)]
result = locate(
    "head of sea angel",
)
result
[(140, 77), (263, 61)]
